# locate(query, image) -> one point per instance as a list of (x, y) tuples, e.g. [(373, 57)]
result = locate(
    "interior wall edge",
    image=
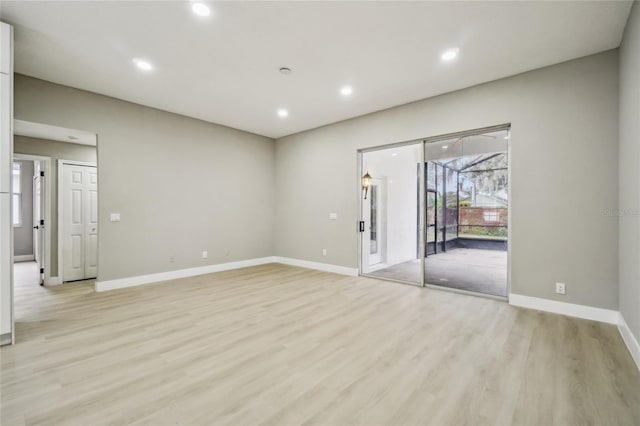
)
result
[(628, 208), (629, 340)]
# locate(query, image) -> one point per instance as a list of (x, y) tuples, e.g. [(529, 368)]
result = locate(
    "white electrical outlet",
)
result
[(205, 254), (115, 217), (324, 252), (560, 288), (333, 216)]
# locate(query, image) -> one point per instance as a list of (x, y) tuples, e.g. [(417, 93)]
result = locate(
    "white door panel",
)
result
[(38, 217), (80, 222), (76, 206)]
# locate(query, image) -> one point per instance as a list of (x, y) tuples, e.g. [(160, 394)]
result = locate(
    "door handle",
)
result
[(36, 227)]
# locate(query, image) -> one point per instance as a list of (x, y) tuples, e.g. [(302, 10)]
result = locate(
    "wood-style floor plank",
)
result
[(280, 345)]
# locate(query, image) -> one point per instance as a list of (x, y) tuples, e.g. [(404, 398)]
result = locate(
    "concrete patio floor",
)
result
[(480, 271)]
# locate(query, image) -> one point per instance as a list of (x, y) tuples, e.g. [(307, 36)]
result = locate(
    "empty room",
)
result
[(319, 213)]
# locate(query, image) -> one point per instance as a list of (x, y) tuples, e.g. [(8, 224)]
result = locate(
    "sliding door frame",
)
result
[(422, 228)]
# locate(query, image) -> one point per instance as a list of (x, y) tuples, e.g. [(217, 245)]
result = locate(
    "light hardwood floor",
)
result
[(281, 345)]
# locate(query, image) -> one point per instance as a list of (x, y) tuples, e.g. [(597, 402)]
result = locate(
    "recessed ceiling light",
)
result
[(394, 154), (285, 70), (283, 113), (450, 54), (346, 90), (200, 9), (142, 64)]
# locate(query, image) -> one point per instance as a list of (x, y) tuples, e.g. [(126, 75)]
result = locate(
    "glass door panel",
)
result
[(390, 243), (467, 201)]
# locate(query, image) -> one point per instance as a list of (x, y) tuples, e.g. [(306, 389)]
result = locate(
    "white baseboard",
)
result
[(53, 281), (24, 258), (326, 267), (563, 308), (5, 339), (180, 273), (201, 270), (630, 340)]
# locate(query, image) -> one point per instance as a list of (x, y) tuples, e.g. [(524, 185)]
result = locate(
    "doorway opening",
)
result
[(458, 215), (41, 201), (30, 216)]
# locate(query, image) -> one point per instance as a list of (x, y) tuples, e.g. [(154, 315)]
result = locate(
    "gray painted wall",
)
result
[(57, 151), (23, 235), (181, 185), (629, 173), (564, 175)]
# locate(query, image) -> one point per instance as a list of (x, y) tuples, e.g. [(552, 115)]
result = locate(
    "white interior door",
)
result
[(79, 188), (38, 217)]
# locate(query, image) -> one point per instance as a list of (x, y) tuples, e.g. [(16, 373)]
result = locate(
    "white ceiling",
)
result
[(224, 68)]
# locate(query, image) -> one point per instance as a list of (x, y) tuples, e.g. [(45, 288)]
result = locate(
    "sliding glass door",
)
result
[(435, 212), (390, 204)]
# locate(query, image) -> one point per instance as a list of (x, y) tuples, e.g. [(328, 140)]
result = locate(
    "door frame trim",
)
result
[(61, 163), (47, 209)]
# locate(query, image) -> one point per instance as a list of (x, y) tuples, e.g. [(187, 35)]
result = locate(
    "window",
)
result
[(491, 216), (16, 194)]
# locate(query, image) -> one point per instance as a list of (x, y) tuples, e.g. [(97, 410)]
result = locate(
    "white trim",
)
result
[(53, 281), (342, 270), (629, 340), (61, 163), (201, 270), (563, 308), (6, 339), (77, 163), (466, 292), (180, 273), (23, 258)]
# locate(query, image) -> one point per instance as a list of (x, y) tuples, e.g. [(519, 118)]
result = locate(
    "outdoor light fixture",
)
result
[(366, 183)]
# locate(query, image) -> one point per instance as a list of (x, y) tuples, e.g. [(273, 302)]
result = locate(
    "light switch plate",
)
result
[(333, 216), (115, 217)]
